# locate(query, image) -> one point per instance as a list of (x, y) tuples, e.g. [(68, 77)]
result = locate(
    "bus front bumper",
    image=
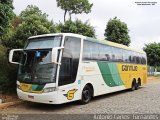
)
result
[(48, 98)]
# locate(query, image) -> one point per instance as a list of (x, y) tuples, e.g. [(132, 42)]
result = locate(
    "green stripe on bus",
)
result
[(110, 74)]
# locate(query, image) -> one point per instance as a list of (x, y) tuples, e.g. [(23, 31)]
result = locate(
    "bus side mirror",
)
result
[(54, 57), (12, 55)]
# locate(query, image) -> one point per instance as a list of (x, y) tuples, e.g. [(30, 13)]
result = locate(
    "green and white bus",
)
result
[(64, 67)]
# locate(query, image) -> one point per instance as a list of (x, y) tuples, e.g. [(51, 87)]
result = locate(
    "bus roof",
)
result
[(55, 34), (93, 40)]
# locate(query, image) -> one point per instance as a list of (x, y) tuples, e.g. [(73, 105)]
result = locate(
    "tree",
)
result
[(8, 72), (8, 38), (117, 31), (31, 22), (78, 27), (153, 53), (6, 14), (74, 7)]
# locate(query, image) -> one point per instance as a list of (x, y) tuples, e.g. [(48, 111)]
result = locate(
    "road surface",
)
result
[(146, 100)]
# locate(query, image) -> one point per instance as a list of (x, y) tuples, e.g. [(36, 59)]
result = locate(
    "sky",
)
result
[(143, 21)]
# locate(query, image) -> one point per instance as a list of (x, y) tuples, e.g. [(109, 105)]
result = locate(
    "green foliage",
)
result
[(8, 72), (77, 27), (74, 6), (117, 31), (6, 14), (8, 38), (32, 10), (153, 53), (32, 22)]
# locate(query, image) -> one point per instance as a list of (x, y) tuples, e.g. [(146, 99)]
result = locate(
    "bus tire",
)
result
[(138, 84), (133, 85), (86, 95)]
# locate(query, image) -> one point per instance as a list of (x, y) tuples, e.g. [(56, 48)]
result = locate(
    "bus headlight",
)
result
[(49, 89)]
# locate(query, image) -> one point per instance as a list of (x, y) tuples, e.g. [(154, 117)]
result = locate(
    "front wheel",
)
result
[(86, 95)]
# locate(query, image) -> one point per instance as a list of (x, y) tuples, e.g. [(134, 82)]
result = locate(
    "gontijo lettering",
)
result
[(129, 68)]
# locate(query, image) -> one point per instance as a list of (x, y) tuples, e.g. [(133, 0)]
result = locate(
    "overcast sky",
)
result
[(143, 21)]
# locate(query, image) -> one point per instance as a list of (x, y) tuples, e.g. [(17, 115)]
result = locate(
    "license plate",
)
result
[(31, 97)]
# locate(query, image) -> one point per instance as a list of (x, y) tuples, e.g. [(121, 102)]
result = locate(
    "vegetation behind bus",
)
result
[(19, 29), (77, 27), (6, 12), (153, 54), (117, 31), (8, 73), (74, 7)]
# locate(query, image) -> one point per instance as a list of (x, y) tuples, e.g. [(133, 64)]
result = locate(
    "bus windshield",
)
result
[(36, 61), (37, 67), (44, 42)]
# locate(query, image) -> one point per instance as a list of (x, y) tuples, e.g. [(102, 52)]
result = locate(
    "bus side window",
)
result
[(86, 50), (133, 57), (137, 59), (117, 54), (113, 55), (94, 50), (105, 52), (143, 60), (90, 51), (127, 56)]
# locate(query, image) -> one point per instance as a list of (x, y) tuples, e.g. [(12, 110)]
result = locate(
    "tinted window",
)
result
[(126, 56), (102, 52), (94, 50), (45, 42), (70, 61), (86, 51), (117, 55), (90, 51), (138, 58), (133, 57), (105, 52), (143, 59)]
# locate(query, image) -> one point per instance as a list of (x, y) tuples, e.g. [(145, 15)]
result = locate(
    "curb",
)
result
[(8, 104)]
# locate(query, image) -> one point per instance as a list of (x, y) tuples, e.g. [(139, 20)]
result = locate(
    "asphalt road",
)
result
[(146, 100)]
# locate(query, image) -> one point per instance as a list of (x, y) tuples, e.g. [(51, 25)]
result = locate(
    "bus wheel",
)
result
[(86, 95), (138, 84), (133, 85)]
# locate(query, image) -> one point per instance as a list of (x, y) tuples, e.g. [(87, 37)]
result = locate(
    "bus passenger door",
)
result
[(68, 87)]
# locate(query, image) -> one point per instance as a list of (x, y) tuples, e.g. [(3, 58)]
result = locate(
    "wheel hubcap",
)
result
[(86, 95)]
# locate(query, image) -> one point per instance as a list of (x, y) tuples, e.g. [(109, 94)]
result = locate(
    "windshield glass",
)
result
[(36, 61), (37, 67), (44, 42)]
